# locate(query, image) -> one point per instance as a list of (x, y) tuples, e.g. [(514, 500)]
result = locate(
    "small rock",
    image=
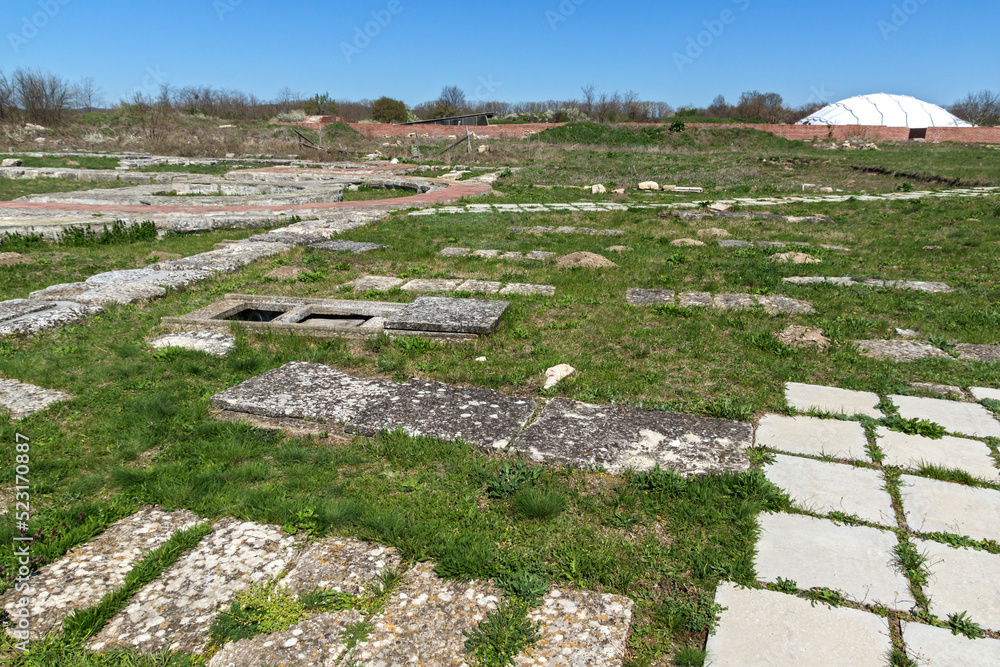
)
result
[(907, 333), (649, 185), (933, 247), (480, 359), (803, 337), (618, 248), (159, 256), (720, 208), (285, 272), (483, 148), (943, 390), (598, 189), (620, 190), (712, 233), (40, 140), (795, 258), (11, 162), (555, 374), (587, 260), (686, 242), (13, 259)]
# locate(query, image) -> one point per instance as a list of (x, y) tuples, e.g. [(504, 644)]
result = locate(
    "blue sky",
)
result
[(681, 53)]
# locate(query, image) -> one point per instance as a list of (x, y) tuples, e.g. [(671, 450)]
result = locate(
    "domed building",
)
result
[(884, 110)]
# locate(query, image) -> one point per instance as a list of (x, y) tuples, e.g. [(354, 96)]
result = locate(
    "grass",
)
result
[(11, 189), (366, 193)]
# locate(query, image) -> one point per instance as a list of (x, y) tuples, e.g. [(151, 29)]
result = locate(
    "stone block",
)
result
[(899, 350), (933, 506), (821, 487), (484, 286), (429, 313), (455, 252), (340, 564), (375, 283), (216, 344), (20, 399), (524, 289), (813, 436), (913, 451), (696, 299), (579, 628), (984, 393), (806, 397), (929, 646), (965, 418), (432, 285), (963, 579), (650, 297), (357, 247), (318, 641), (983, 353), (783, 305)]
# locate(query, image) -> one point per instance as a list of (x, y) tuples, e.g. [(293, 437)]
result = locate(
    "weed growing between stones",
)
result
[(961, 624), (501, 636), (915, 426)]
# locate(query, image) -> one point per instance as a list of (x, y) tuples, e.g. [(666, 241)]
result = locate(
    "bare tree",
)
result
[(768, 107), (982, 108), (589, 95), (454, 97), (44, 98), (144, 114), (7, 108), (87, 94), (719, 108)]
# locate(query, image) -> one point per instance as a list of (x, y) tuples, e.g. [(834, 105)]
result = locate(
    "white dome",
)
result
[(885, 110)]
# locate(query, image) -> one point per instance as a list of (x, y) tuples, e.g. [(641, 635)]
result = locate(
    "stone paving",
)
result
[(736, 243), (386, 283), (916, 285), (20, 399), (765, 627), (533, 256), (209, 342), (587, 231), (772, 304)]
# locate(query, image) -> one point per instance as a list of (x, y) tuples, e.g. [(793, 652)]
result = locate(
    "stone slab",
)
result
[(488, 254), (984, 353), (224, 260), (943, 390), (315, 642), (775, 304), (912, 451), (423, 622), (83, 576), (620, 438), (579, 628), (481, 417), (696, 299), (375, 283), (484, 286), (20, 399), (178, 608), (429, 313), (821, 487), (734, 301), (813, 436), (933, 506), (733, 243), (806, 397), (15, 308), (304, 390), (432, 285), (528, 290), (60, 314), (340, 564), (899, 350), (761, 628), (216, 344), (171, 279), (963, 579), (101, 294), (984, 393), (539, 256), (965, 418), (929, 646), (650, 297), (856, 560), (455, 252), (357, 247)]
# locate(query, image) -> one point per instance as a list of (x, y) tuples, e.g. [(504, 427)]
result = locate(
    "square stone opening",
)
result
[(255, 315)]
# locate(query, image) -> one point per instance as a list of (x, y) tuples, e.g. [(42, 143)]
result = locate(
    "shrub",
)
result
[(388, 110)]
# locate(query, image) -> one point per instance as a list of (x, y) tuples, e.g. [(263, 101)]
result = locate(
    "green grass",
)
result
[(15, 188), (366, 193), (69, 162)]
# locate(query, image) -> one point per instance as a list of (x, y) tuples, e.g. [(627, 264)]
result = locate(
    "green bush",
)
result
[(388, 110)]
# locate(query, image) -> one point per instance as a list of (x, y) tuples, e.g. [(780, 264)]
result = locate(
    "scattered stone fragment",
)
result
[(524, 289), (782, 305), (11, 162), (965, 418), (806, 397), (455, 252), (598, 189), (856, 560), (734, 301), (803, 337), (649, 186), (618, 248), (431, 285), (771, 244), (732, 243), (963, 580), (100, 295), (14, 259), (315, 642), (585, 259), (481, 417), (579, 628), (620, 438), (813, 437), (224, 260), (795, 258), (942, 390), (488, 254), (984, 353), (907, 333), (375, 283), (20, 399), (285, 272), (696, 299), (304, 390), (933, 506), (686, 242), (649, 297), (34, 317), (899, 350), (984, 393), (933, 247), (423, 622), (216, 344), (914, 451), (929, 646), (357, 247), (485, 286), (340, 564), (713, 233), (761, 628), (82, 577), (556, 374), (178, 608), (822, 487), (432, 313), (720, 208)]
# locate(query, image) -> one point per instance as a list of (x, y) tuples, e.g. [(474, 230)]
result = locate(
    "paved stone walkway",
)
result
[(766, 627), (534, 255), (386, 283), (773, 304), (422, 621)]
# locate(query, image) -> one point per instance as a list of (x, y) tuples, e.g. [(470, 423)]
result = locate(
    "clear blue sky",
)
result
[(515, 50)]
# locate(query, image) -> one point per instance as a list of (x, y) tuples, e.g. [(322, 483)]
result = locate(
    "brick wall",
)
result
[(969, 135)]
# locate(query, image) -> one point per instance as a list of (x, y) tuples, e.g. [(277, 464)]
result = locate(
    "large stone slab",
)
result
[(856, 560), (357, 247), (984, 353), (761, 628), (619, 438), (929, 646), (484, 286), (963, 580), (650, 297), (15, 308), (481, 417), (579, 628), (933, 506), (528, 289), (20, 399), (375, 283), (224, 260), (813, 436), (806, 397), (340, 564), (209, 342), (55, 315), (104, 294), (423, 622), (913, 451), (178, 608), (304, 390), (899, 350), (82, 577), (433, 313), (432, 285), (965, 418), (984, 393), (148, 276), (821, 487), (315, 642), (775, 304)]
